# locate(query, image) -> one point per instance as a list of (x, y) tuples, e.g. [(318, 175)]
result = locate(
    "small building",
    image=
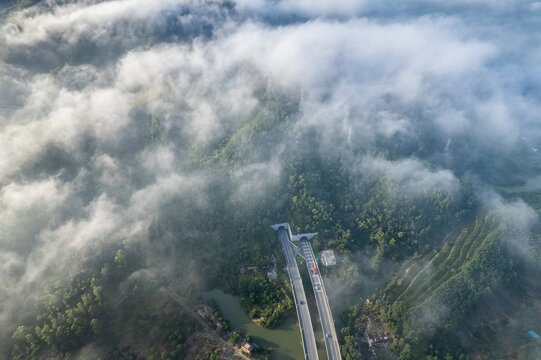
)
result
[(247, 348), (533, 334), (327, 256), (272, 275), (243, 269), (383, 339)]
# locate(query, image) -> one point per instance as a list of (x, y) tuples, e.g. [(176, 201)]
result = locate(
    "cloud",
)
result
[(350, 8), (28, 208), (411, 175), (68, 23), (256, 182), (83, 82), (201, 82), (429, 316), (57, 117), (517, 220)]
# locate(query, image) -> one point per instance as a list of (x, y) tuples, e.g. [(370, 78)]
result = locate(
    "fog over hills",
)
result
[(116, 116)]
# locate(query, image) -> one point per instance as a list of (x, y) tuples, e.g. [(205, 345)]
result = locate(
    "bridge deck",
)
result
[(303, 313), (327, 322)]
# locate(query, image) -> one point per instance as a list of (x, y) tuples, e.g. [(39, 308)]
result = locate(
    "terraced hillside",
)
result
[(431, 297), (420, 279)]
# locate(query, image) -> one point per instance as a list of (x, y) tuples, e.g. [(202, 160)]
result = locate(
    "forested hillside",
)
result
[(378, 216), (381, 215), (428, 307), (437, 294), (148, 145)]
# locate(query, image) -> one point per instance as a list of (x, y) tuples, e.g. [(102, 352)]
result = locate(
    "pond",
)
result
[(284, 340)]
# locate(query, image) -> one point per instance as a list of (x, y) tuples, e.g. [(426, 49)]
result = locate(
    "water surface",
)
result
[(284, 340)]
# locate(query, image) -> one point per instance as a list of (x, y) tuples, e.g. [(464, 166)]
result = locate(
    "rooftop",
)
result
[(328, 258)]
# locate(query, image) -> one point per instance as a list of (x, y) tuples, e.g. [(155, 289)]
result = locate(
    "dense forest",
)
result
[(378, 216), (150, 146)]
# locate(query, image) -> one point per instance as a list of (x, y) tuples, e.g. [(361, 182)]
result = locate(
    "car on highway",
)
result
[(314, 270)]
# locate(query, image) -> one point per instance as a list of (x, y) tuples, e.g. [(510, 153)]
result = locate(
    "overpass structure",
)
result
[(325, 315), (299, 296), (305, 323)]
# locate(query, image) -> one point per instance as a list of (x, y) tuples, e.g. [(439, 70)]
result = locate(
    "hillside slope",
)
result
[(457, 290)]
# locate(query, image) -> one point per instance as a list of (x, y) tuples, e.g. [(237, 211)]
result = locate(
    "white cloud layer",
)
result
[(82, 81)]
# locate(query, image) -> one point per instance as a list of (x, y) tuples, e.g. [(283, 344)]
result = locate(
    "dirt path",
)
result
[(452, 231), (417, 275)]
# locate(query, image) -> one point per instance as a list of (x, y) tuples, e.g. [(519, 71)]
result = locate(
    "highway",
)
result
[(303, 313), (327, 322)]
